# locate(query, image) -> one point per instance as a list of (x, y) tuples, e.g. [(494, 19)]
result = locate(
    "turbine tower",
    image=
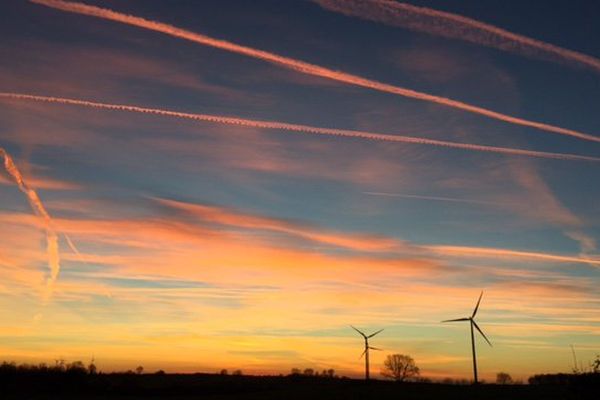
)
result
[(473, 324), (367, 348)]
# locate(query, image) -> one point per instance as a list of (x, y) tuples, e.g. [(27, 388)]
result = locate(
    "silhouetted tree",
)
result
[(59, 365), (309, 372), (596, 364), (237, 372), (295, 371), (224, 372), (76, 368), (503, 378), (139, 370), (8, 368), (399, 367)]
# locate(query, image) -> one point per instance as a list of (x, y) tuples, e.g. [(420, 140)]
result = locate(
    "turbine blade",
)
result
[(363, 353), (373, 334), (477, 306), (480, 331), (458, 319), (362, 334), (375, 348)]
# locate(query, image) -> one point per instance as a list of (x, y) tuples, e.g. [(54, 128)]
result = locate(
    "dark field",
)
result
[(204, 386)]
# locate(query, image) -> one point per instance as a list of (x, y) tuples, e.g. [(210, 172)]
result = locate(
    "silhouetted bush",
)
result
[(550, 379)]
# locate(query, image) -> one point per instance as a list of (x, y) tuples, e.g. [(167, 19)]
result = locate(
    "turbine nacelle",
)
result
[(471, 319)]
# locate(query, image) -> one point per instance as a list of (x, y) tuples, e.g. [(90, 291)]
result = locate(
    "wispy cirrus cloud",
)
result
[(230, 217), (110, 71), (45, 183), (304, 67)]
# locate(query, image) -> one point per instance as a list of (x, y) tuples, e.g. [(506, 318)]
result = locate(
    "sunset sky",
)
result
[(284, 169)]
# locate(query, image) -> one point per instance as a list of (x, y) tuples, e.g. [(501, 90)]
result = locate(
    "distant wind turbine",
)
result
[(472, 322), (367, 348)]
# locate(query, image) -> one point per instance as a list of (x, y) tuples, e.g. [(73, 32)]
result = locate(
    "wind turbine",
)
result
[(472, 322), (367, 348)]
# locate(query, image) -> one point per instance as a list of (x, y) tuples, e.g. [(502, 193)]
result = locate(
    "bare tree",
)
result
[(502, 378), (400, 367)]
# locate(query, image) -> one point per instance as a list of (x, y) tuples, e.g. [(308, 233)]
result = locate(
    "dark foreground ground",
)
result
[(201, 386)]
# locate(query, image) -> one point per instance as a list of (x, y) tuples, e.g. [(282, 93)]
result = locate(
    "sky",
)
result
[(191, 186)]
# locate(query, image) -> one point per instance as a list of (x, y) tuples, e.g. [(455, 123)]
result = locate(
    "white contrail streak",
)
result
[(301, 66), (485, 252), (432, 198), (302, 128), (454, 26), (40, 211)]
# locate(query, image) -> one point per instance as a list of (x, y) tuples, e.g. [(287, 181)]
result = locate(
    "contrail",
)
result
[(486, 252), (432, 198), (40, 211), (301, 66), (303, 128), (454, 26)]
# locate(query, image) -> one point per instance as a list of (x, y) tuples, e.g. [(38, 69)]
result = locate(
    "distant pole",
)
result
[(474, 355), (366, 360)]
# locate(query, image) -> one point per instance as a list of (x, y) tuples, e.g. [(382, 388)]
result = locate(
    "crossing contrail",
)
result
[(301, 128), (454, 26), (40, 211), (303, 67)]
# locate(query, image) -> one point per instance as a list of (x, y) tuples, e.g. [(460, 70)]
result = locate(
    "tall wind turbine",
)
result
[(472, 322), (367, 348)]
